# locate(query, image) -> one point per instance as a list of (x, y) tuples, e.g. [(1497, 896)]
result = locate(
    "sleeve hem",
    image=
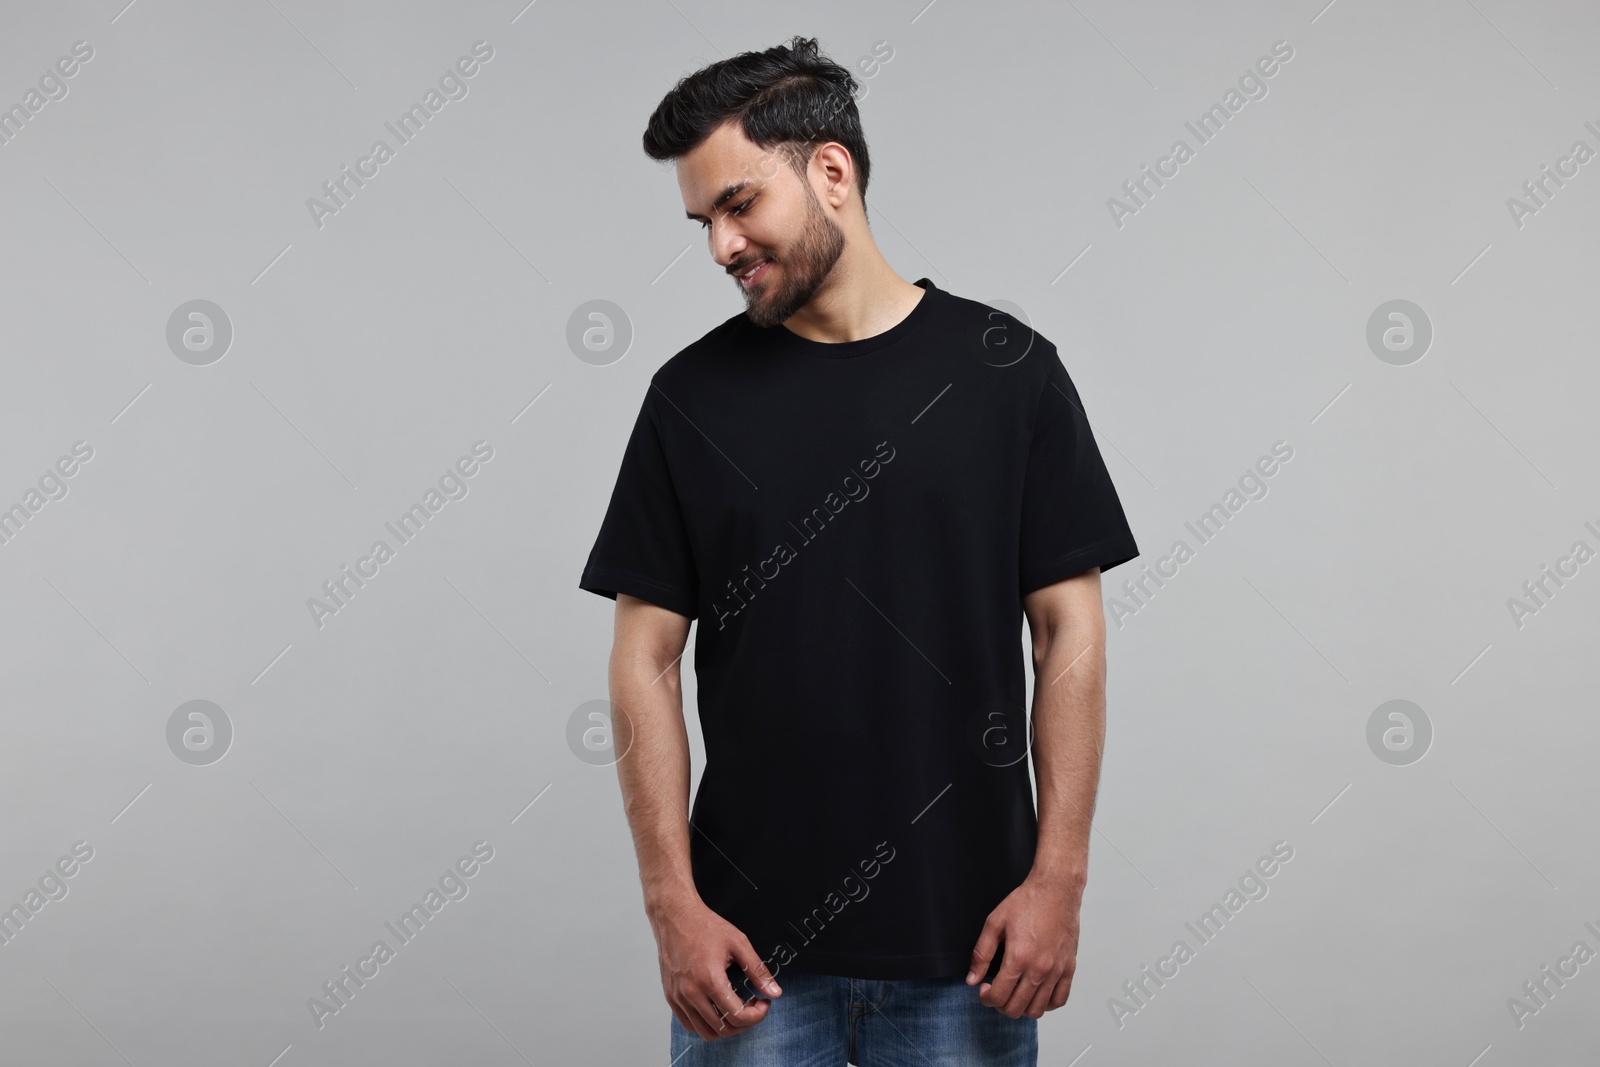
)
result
[(607, 582), (1111, 552)]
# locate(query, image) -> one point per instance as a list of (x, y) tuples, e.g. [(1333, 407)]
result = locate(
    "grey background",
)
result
[(432, 312)]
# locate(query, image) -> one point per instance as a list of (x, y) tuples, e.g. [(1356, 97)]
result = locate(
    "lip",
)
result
[(755, 279)]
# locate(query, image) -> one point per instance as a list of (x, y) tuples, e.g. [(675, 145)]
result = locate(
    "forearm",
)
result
[(654, 776), (1069, 736)]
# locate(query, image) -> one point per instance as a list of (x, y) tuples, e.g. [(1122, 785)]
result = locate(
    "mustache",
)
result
[(744, 265)]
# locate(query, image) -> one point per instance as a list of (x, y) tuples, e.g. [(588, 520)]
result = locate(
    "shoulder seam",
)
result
[(1049, 373)]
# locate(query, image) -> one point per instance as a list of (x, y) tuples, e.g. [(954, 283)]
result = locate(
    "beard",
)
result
[(802, 269)]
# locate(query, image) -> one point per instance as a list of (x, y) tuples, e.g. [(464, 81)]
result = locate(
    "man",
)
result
[(859, 486)]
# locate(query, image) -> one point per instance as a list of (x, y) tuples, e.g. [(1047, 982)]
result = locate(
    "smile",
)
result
[(750, 278)]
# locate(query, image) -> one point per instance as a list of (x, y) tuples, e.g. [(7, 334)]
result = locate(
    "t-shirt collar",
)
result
[(783, 337)]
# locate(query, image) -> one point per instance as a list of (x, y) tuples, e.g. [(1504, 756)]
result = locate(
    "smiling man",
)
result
[(860, 486)]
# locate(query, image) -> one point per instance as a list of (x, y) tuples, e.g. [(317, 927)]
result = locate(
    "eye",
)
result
[(740, 210)]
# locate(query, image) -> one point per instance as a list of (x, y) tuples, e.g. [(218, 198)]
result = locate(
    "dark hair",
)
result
[(789, 97)]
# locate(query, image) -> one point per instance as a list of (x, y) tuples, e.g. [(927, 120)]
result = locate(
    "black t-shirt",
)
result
[(854, 525)]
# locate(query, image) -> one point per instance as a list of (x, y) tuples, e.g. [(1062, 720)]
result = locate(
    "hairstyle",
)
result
[(789, 97)]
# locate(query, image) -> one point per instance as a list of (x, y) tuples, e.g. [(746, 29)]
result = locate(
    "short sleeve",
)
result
[(643, 547), (1072, 519)]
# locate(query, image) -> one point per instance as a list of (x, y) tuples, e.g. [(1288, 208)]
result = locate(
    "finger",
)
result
[(749, 1015), (1063, 990), (983, 950), (720, 990), (725, 1023), (683, 1020), (996, 993), (751, 963), (694, 1020), (711, 1017), (743, 988), (1022, 994), (1041, 997), (1012, 967)]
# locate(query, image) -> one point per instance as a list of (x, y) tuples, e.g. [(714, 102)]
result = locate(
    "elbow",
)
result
[(1081, 649)]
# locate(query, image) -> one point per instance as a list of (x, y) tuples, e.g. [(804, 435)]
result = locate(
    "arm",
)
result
[(1069, 719), (1039, 920), (694, 943)]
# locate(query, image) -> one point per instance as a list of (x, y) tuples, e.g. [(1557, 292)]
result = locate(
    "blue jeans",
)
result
[(824, 1021)]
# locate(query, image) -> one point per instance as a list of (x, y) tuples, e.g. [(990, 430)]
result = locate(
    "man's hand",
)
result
[(695, 946), (1039, 923)]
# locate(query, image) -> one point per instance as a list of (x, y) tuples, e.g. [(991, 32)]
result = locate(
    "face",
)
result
[(757, 210)]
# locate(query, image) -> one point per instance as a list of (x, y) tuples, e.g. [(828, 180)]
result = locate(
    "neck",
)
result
[(861, 298)]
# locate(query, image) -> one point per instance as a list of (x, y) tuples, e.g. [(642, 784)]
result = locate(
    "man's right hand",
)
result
[(696, 945)]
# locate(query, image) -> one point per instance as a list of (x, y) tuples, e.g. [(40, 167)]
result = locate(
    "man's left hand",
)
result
[(1038, 921)]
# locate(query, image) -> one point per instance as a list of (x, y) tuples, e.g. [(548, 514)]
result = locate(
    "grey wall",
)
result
[(362, 757)]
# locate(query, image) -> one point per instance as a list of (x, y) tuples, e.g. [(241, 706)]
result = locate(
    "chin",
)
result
[(759, 306)]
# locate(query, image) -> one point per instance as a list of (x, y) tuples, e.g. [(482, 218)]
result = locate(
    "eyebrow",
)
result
[(722, 198)]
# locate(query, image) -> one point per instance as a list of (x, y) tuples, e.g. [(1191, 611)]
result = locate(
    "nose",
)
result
[(728, 245)]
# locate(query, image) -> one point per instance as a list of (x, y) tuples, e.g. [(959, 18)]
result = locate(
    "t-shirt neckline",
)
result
[(787, 339)]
